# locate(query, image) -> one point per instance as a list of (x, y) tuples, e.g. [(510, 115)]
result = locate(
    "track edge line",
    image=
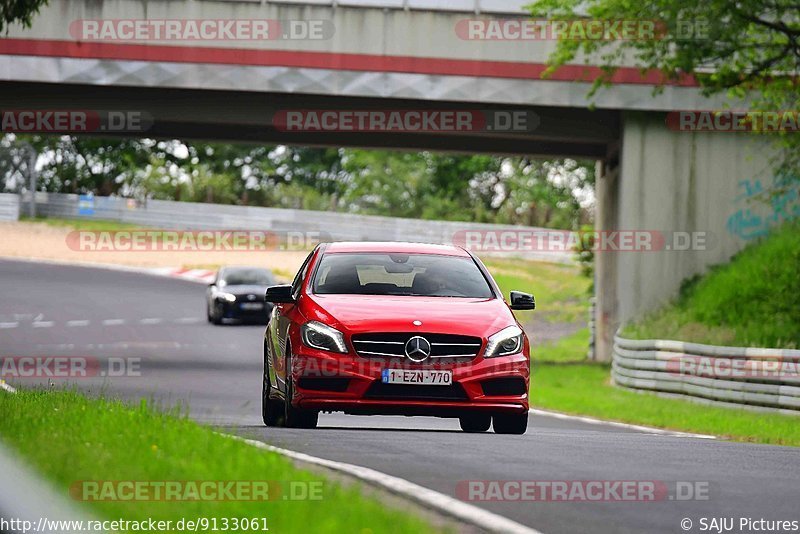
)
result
[(427, 497), (618, 424)]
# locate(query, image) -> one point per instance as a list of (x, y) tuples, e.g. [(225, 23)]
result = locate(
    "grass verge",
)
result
[(69, 437), (81, 224), (569, 349), (585, 389), (561, 292), (752, 301)]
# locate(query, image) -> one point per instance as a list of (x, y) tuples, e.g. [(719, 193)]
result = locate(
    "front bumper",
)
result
[(233, 310), (352, 384)]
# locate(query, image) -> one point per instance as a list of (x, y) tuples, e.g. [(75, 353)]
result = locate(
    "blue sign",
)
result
[(86, 204)]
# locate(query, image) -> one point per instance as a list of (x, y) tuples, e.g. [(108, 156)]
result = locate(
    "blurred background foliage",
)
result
[(475, 188)]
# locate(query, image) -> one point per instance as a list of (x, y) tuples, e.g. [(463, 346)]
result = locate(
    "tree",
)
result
[(18, 11), (476, 188), (743, 48)]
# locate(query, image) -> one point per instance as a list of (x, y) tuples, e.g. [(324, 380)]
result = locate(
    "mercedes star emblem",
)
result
[(418, 349)]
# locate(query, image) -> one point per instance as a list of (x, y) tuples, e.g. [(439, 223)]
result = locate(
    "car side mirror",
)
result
[(522, 301), (279, 294)]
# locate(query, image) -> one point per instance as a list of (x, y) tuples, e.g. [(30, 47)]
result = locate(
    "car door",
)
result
[(283, 314)]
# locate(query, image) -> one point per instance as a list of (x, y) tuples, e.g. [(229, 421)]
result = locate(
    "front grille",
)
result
[(249, 297), (379, 390), (392, 345)]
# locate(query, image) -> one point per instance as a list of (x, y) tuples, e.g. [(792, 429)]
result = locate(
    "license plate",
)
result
[(421, 378), (252, 305)]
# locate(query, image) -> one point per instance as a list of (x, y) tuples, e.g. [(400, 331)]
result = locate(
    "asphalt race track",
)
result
[(49, 310)]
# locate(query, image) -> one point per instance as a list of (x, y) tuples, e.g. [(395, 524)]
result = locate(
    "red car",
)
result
[(396, 328)]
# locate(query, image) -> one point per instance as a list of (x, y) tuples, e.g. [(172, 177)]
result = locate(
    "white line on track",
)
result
[(188, 320), (78, 322), (113, 322), (151, 320), (42, 324), (640, 428), (445, 504), (12, 324)]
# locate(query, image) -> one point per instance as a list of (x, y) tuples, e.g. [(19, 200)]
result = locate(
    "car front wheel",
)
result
[(475, 422), (217, 313), (511, 423), (296, 417), (271, 412)]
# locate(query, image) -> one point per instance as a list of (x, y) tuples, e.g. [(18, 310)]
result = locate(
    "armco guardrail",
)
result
[(753, 377), (9, 207), (30, 504), (338, 226)]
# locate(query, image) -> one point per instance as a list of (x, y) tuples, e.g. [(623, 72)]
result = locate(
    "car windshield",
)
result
[(247, 277), (427, 275)]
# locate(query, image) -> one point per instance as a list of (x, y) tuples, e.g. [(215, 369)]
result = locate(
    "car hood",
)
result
[(378, 313), (245, 290)]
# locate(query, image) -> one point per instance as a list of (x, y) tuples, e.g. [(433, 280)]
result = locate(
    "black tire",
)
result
[(271, 410), (475, 422), (216, 315), (511, 423), (294, 417)]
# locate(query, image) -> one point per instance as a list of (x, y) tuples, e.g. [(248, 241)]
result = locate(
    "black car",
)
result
[(237, 293)]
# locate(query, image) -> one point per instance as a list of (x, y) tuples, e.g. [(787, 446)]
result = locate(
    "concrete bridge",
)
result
[(195, 77)]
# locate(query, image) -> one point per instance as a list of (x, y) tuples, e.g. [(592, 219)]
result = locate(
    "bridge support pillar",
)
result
[(606, 309)]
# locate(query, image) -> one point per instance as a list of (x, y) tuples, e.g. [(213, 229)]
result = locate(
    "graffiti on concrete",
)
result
[(762, 208)]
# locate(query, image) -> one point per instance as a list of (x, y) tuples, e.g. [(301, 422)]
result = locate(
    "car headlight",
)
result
[(321, 336), (227, 297), (506, 341)]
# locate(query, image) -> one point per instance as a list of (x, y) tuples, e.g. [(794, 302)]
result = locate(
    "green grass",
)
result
[(752, 301), (81, 224), (585, 389), (69, 437), (562, 382), (561, 292), (569, 349)]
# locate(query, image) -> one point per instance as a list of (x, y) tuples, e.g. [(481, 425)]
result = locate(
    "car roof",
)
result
[(395, 247)]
